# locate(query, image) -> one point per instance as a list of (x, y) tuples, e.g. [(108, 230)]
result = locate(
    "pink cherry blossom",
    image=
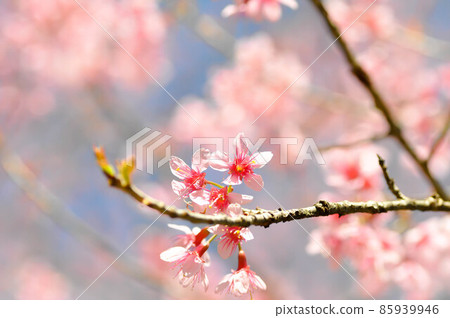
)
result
[(217, 200), (260, 72), (378, 22), (242, 281), (230, 238), (242, 165), (190, 264), (414, 279), (355, 172), (373, 250), (193, 178), (428, 243), (259, 9)]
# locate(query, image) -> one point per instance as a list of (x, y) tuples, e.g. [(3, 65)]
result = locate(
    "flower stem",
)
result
[(214, 184), (211, 239)]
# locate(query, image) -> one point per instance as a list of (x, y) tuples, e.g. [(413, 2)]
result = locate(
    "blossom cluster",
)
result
[(61, 45), (190, 257), (417, 260), (259, 73), (241, 92)]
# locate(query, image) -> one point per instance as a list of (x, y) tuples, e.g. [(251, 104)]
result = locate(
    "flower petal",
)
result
[(179, 168), (200, 197), (173, 254), (241, 281), (182, 228), (241, 145), (225, 248), (204, 280), (224, 283), (254, 182), (242, 199), (234, 209), (272, 11), (179, 188), (289, 3), (207, 259), (232, 179), (200, 160), (260, 159), (192, 265), (219, 161), (260, 283), (247, 234), (229, 10)]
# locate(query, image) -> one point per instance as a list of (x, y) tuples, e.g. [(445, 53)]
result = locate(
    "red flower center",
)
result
[(241, 168)]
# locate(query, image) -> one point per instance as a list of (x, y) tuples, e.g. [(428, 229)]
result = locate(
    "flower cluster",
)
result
[(416, 261), (63, 47), (189, 257), (240, 92)]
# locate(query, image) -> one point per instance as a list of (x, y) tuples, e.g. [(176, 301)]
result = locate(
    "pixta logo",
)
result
[(146, 146)]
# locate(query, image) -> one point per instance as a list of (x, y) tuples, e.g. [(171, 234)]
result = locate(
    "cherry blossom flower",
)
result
[(64, 44), (242, 281), (230, 238), (259, 9), (217, 200), (374, 250), (355, 172), (193, 178), (242, 165), (414, 279), (428, 243), (190, 264), (378, 22)]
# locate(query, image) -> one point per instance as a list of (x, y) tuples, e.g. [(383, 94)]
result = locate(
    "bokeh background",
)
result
[(74, 75)]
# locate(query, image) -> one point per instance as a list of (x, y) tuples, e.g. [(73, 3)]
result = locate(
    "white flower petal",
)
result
[(173, 254)]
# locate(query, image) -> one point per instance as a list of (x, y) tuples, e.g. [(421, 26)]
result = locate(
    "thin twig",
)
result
[(379, 102), (390, 182)]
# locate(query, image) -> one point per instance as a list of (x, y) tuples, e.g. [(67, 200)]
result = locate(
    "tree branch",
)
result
[(390, 182), (262, 217), (380, 103)]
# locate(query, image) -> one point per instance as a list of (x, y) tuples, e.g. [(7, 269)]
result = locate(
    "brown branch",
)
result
[(380, 103), (390, 182), (262, 217)]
